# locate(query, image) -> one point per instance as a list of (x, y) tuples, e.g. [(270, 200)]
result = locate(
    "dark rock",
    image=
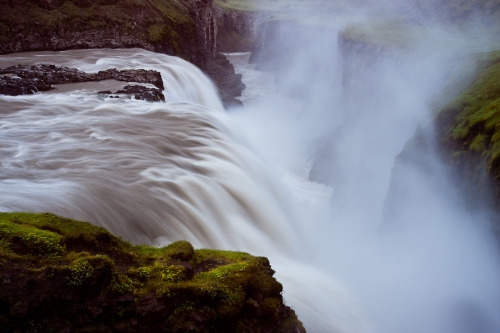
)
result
[(23, 80), (143, 93), (187, 29), (131, 75), (83, 3), (253, 308), (229, 83), (14, 86), (50, 4)]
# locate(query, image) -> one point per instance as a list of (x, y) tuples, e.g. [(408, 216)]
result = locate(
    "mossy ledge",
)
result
[(469, 132), (58, 274)]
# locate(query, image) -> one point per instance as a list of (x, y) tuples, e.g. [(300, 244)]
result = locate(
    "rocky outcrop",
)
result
[(60, 275), (187, 29), (230, 85), (465, 135), (468, 130), (137, 92), (236, 29), (23, 80)]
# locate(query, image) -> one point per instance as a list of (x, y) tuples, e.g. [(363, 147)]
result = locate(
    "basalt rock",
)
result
[(143, 93), (187, 29), (23, 80), (60, 275), (230, 85), (14, 86)]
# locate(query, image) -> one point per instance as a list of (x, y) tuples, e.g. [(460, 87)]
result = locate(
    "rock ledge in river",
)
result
[(25, 80)]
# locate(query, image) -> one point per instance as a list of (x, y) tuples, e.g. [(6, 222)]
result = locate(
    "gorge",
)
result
[(334, 171)]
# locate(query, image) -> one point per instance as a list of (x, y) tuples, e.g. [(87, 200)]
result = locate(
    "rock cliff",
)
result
[(468, 130), (60, 275), (187, 29), (236, 28)]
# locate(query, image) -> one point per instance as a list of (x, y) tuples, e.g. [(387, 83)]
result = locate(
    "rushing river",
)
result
[(242, 180)]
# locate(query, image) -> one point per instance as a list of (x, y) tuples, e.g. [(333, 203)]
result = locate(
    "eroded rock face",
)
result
[(25, 80), (143, 93), (468, 132), (236, 29), (187, 29), (67, 276), (220, 69)]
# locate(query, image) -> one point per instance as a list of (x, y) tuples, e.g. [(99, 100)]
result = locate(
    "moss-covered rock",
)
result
[(469, 133), (57, 274)]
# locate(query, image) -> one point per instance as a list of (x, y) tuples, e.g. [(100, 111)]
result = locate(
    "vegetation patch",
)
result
[(53, 270), (469, 132), (127, 23), (475, 117)]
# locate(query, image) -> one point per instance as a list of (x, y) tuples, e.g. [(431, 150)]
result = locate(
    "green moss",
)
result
[(77, 259), (479, 144), (270, 308), (181, 250), (91, 270), (144, 273), (220, 257), (475, 116), (156, 33), (80, 271), (173, 273), (21, 238)]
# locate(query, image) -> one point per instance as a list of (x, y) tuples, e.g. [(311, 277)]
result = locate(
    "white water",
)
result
[(416, 260), (185, 169)]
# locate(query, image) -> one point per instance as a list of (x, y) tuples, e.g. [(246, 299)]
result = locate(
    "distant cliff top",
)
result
[(156, 25)]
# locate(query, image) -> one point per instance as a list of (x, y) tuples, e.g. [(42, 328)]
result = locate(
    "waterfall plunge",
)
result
[(156, 173)]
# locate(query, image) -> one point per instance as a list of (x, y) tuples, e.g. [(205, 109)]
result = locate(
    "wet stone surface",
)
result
[(25, 80)]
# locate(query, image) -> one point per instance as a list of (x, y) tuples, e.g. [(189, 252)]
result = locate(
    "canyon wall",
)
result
[(187, 29)]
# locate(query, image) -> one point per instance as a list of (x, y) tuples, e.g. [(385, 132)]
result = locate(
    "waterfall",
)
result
[(154, 173), (299, 176)]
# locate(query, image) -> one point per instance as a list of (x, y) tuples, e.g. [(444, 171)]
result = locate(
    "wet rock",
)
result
[(25, 80), (143, 93), (14, 86), (188, 29), (131, 75), (229, 83)]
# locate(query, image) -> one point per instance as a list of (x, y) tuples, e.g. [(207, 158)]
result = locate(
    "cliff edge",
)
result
[(187, 29), (60, 275)]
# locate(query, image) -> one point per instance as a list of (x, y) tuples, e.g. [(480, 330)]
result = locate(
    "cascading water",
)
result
[(417, 260), (185, 169), (149, 172)]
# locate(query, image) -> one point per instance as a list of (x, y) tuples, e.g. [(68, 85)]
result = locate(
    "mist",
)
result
[(391, 233), (330, 168)]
